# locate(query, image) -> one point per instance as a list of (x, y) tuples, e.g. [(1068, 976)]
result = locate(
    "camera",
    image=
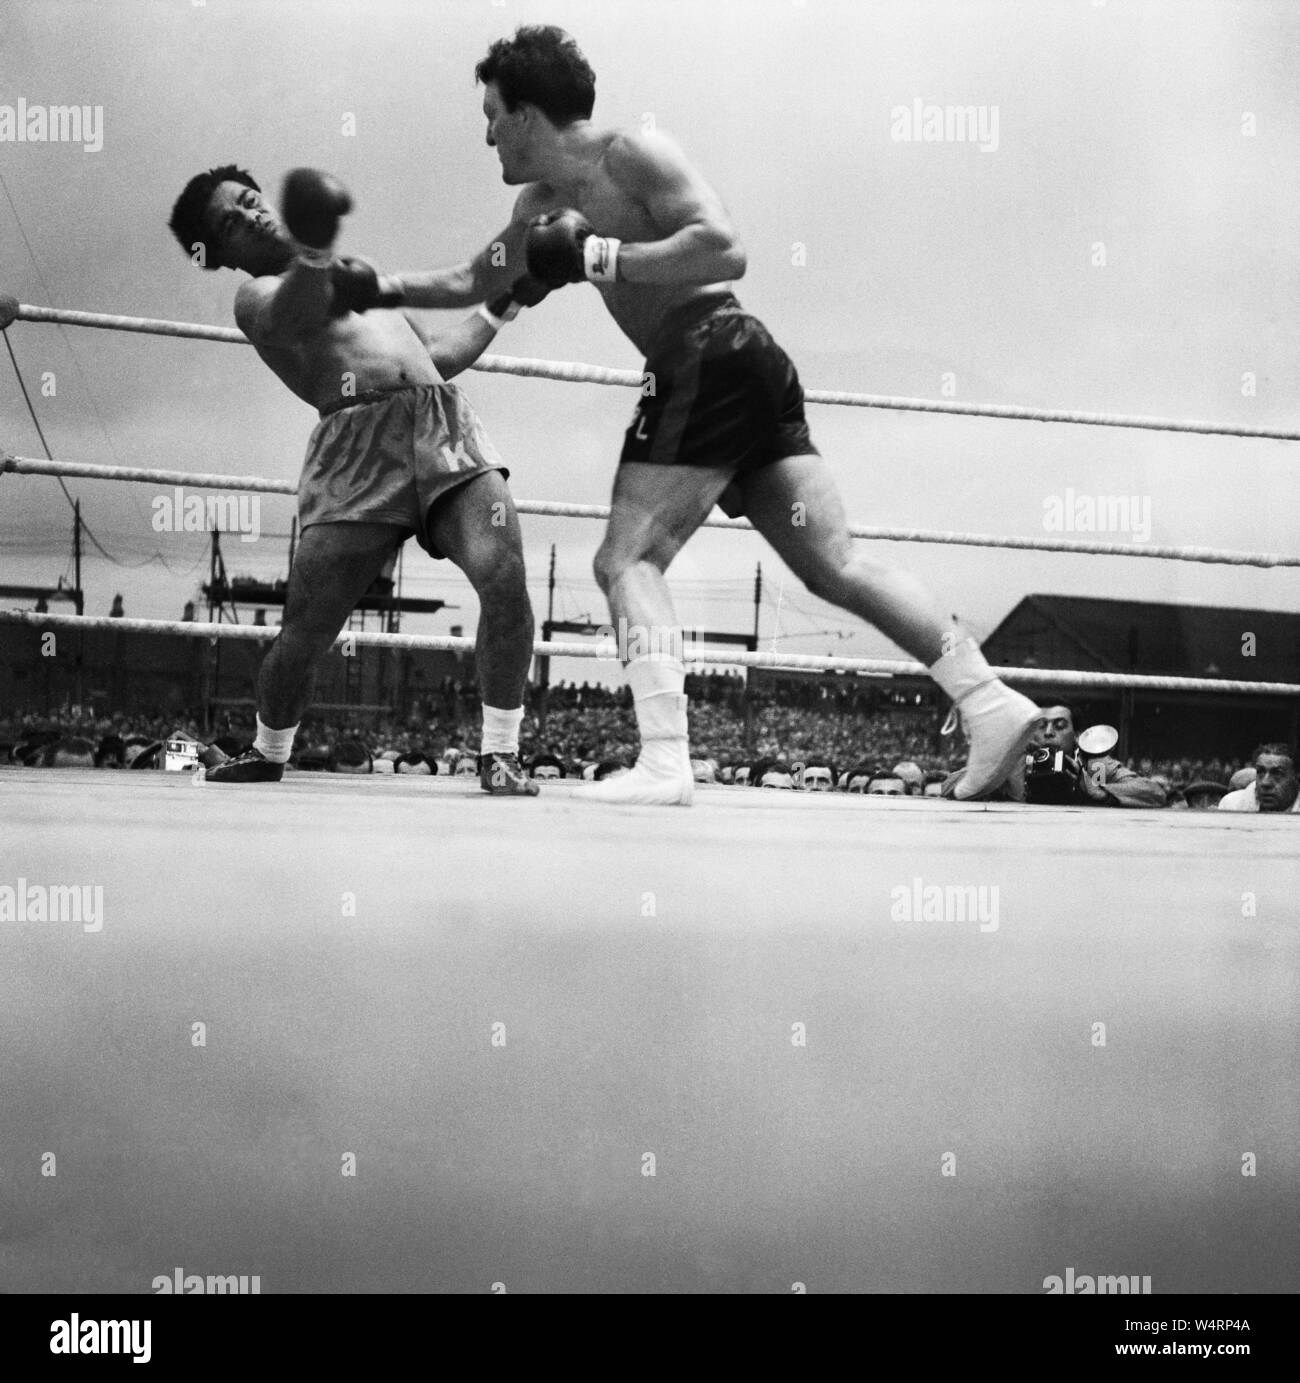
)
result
[(1043, 761), (179, 756), (1047, 779)]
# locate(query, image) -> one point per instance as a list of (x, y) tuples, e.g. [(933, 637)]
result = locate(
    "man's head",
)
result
[(132, 747), (546, 766), (818, 776), (350, 756), (111, 752), (1276, 783), (884, 784), (73, 752), (607, 768), (1055, 730), (312, 758), (1204, 795), (224, 213), (533, 84), (858, 780)]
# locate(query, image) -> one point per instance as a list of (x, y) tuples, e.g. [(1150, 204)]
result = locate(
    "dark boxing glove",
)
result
[(356, 287), (563, 247), (525, 291), (528, 291), (312, 205)]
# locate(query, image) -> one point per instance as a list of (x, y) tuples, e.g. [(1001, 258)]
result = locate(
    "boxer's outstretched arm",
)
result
[(459, 285), (456, 348), (700, 245), (491, 271), (459, 347)]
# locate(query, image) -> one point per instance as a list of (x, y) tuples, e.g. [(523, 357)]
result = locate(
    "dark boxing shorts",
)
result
[(389, 455), (725, 394)]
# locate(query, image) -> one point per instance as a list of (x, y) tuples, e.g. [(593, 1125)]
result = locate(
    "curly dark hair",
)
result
[(192, 205), (545, 67)]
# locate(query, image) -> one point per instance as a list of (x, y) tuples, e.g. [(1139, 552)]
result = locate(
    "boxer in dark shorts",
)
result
[(725, 392), (398, 451), (629, 213)]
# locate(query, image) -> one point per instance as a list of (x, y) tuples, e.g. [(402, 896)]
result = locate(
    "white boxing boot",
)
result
[(998, 722), (662, 774)]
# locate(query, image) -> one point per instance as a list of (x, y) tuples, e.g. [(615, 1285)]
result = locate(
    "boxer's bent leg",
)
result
[(795, 505), (332, 569), (653, 512), (477, 527)]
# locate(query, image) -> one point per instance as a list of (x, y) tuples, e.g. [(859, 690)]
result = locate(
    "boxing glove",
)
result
[(356, 287), (562, 247), (525, 291), (528, 291), (312, 205)]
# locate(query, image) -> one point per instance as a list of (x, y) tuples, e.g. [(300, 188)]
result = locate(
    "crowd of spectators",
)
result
[(810, 738)]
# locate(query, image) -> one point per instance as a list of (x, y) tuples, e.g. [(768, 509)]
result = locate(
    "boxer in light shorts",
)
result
[(397, 452)]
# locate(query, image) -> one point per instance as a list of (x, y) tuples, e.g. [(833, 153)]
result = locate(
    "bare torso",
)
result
[(615, 210), (379, 349)]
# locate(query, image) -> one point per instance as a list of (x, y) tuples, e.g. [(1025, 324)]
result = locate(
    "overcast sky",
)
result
[(1164, 131)]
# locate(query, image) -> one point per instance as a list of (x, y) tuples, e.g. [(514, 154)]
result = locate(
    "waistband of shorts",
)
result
[(369, 396), (690, 313)]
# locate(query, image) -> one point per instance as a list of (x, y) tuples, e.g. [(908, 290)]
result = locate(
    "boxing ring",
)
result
[(453, 1043)]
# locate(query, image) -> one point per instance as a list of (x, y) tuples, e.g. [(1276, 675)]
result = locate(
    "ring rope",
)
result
[(30, 465), (603, 651), (575, 372)]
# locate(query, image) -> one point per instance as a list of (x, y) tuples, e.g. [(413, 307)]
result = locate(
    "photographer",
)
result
[(1060, 772)]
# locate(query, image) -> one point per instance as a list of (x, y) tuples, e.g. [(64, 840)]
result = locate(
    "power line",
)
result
[(65, 337)]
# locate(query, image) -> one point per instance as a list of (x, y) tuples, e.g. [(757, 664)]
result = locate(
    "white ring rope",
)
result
[(575, 372), (605, 650), (35, 465)]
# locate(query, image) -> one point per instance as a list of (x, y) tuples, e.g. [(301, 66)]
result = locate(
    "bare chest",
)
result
[(614, 211)]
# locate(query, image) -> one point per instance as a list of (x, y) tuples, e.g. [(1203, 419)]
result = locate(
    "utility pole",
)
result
[(214, 655), (78, 679), (544, 663), (758, 598), (749, 672)]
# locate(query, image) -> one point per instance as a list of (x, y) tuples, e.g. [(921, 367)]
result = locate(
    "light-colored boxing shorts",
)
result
[(388, 456)]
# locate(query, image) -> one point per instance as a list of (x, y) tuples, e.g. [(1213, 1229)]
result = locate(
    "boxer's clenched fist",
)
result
[(356, 287), (563, 247)]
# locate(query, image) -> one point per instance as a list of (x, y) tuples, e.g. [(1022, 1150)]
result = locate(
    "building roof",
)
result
[(1096, 635)]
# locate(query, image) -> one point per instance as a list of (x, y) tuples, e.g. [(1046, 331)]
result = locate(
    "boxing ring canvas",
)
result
[(321, 1036)]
